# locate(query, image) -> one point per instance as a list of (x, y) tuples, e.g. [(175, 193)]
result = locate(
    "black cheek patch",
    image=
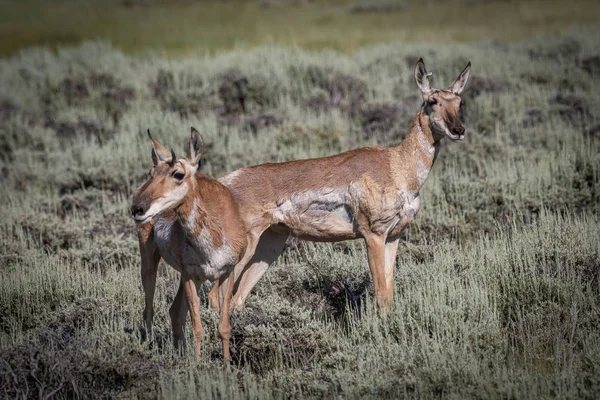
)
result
[(451, 119)]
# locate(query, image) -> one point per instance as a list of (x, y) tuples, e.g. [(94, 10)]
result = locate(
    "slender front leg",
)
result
[(149, 268), (376, 256), (391, 249), (225, 293), (194, 306), (270, 246), (178, 313)]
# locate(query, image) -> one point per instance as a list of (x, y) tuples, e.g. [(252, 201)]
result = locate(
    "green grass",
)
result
[(497, 284), (178, 27)]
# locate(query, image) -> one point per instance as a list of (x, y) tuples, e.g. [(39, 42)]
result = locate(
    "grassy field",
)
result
[(497, 280), (180, 26)]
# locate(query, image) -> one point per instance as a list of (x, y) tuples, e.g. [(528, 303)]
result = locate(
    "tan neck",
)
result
[(189, 211), (416, 154), (195, 213)]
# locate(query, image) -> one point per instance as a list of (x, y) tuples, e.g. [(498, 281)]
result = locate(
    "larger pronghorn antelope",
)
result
[(192, 222), (370, 193)]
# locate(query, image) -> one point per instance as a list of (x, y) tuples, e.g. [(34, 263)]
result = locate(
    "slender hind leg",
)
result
[(149, 268), (225, 292), (178, 313), (269, 248)]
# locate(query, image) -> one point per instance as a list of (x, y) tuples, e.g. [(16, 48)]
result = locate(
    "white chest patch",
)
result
[(412, 204), (205, 261), (163, 233), (422, 172), (199, 257)]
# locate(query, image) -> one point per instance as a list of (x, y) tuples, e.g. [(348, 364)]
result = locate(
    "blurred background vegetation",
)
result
[(497, 280), (180, 26)]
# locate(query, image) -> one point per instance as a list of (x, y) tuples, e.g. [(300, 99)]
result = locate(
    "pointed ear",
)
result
[(459, 84), (422, 77), (196, 147), (159, 152)]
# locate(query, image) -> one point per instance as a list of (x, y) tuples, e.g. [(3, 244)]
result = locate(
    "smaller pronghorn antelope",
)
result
[(370, 193), (192, 222)]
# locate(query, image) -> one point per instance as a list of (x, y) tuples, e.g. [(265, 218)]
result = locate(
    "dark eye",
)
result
[(178, 175), (432, 101)]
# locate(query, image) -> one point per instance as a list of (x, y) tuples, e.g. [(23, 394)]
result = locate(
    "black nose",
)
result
[(458, 130), (137, 210)]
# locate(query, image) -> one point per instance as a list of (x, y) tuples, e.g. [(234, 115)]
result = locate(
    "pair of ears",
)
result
[(161, 153), (422, 79)]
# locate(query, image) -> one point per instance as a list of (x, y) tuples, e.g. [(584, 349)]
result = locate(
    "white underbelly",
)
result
[(318, 216)]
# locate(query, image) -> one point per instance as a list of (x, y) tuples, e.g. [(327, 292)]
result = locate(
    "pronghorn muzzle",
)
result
[(137, 211), (458, 131), (454, 126)]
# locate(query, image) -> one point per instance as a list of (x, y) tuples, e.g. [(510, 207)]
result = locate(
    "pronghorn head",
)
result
[(441, 106), (169, 182)]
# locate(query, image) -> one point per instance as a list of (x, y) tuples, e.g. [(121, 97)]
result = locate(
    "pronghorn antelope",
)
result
[(192, 222), (370, 193)]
